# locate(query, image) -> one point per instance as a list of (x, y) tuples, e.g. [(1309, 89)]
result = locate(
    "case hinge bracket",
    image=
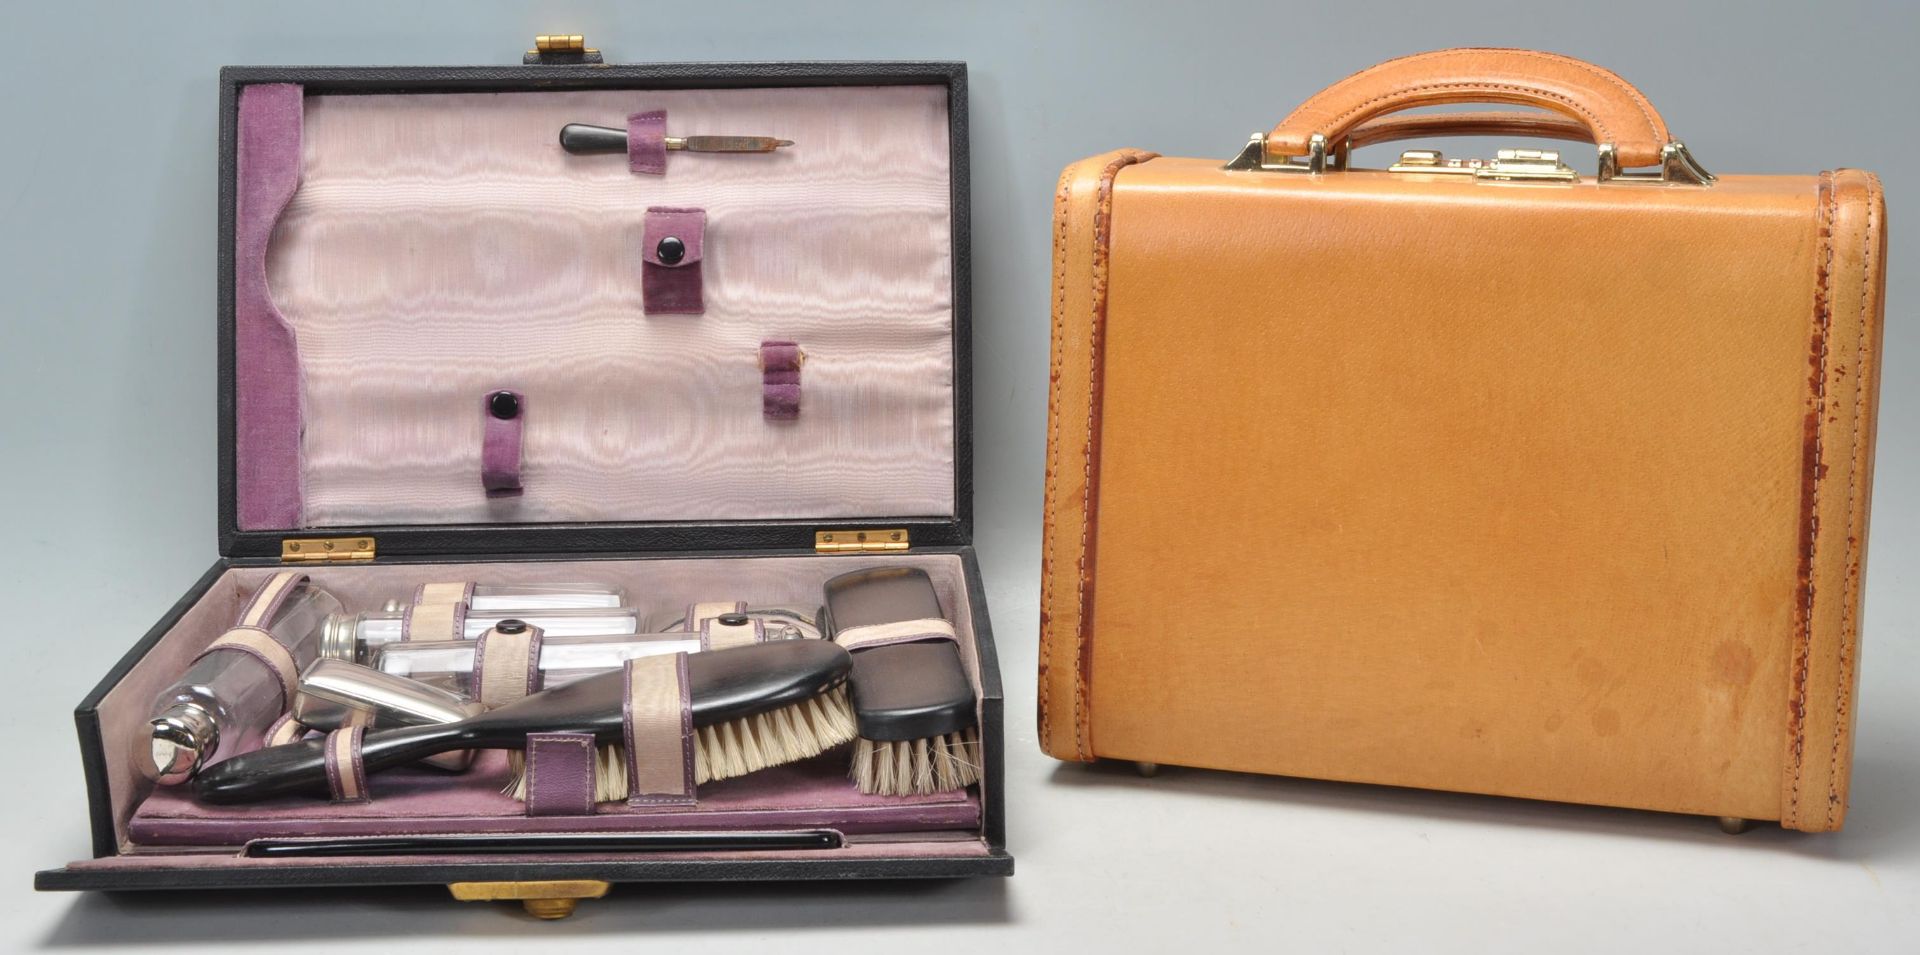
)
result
[(314, 550), (860, 542), (552, 48)]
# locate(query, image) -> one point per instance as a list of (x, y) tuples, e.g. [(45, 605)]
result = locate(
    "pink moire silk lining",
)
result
[(443, 246)]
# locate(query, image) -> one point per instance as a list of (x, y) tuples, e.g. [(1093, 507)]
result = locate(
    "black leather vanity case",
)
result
[(700, 370)]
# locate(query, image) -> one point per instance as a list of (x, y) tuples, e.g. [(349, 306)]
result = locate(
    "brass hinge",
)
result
[(561, 48), (859, 542), (304, 550)]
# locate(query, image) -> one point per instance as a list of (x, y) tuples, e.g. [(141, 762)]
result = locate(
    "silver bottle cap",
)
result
[(182, 737), (340, 637)]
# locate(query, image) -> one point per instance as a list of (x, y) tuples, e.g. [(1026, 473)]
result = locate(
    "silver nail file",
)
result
[(582, 139)]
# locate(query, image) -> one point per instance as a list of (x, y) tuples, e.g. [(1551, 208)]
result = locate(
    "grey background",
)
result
[(107, 269)]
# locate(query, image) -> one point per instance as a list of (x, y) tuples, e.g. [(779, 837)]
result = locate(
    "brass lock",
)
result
[(543, 900)]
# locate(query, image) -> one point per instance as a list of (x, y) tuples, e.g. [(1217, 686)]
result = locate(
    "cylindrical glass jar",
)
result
[(488, 597), (360, 637), (563, 659)]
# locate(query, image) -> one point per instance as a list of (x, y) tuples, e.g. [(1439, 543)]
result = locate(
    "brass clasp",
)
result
[(543, 900)]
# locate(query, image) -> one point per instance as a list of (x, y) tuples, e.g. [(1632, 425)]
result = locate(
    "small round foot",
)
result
[(1734, 825), (1146, 769), (550, 908)]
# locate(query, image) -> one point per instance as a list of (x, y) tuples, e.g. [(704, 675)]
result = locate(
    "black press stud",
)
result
[(732, 619), (671, 250), (504, 405), (511, 626)]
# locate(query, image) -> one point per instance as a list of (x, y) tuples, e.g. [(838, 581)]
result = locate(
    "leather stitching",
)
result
[(1062, 196), (1640, 100), (1103, 210), (1102, 236), (1849, 619), (1803, 638)]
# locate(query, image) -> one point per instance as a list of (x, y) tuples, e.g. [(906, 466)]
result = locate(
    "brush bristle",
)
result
[(917, 767), (734, 748)]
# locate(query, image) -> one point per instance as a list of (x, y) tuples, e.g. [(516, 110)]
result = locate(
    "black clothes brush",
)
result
[(912, 700), (752, 707)]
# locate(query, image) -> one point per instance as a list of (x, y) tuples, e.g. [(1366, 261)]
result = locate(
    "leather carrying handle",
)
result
[(1532, 125), (1609, 108)]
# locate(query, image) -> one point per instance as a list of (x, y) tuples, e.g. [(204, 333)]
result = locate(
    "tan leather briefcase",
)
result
[(1500, 477)]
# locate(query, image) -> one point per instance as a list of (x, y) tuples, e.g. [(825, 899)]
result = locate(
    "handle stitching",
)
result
[(1639, 99), (1657, 129)]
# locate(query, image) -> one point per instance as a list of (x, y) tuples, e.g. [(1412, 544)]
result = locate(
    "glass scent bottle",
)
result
[(780, 623), (487, 597), (228, 698), (360, 637), (448, 665)]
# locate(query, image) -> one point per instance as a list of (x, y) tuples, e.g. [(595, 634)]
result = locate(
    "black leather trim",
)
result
[(820, 865)]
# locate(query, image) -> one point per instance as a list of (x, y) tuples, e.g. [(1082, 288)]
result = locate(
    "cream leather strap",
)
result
[(346, 774), (722, 625), (438, 612), (261, 645), (659, 732), (506, 665), (267, 600), (284, 730), (887, 634)]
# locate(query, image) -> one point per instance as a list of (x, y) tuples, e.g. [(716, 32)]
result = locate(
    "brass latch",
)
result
[(859, 542), (1507, 165), (303, 550), (542, 900)]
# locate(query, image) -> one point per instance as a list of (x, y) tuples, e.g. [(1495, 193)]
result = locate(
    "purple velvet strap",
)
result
[(266, 369), (673, 241), (346, 771), (560, 774), (659, 732), (647, 142), (780, 379), (503, 412)]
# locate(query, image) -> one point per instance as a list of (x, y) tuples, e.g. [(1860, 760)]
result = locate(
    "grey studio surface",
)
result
[(107, 262)]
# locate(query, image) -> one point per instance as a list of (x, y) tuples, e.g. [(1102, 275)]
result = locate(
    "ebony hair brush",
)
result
[(752, 707), (912, 701)]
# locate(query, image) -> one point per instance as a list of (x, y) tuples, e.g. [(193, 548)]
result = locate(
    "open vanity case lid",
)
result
[(398, 244)]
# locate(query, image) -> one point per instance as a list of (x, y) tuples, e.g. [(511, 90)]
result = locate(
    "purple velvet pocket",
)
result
[(672, 245)]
